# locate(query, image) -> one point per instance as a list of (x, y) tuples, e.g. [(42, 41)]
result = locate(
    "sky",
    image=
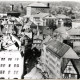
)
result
[(42, 0)]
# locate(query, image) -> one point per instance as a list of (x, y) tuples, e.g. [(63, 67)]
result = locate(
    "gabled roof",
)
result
[(37, 4), (61, 16), (70, 62), (60, 49), (50, 16), (71, 54), (76, 63), (42, 15), (38, 37)]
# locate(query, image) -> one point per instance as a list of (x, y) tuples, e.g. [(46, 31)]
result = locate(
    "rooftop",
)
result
[(62, 30), (76, 63), (61, 49), (74, 31), (61, 16), (42, 15), (38, 37), (37, 4)]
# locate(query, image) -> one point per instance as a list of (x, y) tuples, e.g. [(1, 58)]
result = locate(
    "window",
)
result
[(14, 65), (66, 75), (2, 72), (9, 65), (52, 60), (16, 59), (2, 59), (69, 69), (58, 65), (51, 65), (9, 59), (15, 72), (2, 65), (73, 76), (9, 72)]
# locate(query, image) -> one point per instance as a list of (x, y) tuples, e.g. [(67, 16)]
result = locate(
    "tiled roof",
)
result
[(61, 49), (37, 4), (50, 16)]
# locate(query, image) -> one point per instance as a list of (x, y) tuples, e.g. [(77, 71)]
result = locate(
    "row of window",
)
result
[(75, 40), (3, 72), (52, 66), (8, 78), (9, 59), (3, 65), (67, 76), (75, 36)]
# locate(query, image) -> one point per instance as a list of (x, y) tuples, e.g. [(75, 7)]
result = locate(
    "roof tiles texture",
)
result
[(60, 49)]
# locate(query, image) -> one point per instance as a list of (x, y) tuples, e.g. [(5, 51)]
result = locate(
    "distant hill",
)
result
[(4, 5)]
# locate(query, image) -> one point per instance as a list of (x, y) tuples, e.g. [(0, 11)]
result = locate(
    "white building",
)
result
[(11, 61), (75, 36), (36, 7), (52, 55)]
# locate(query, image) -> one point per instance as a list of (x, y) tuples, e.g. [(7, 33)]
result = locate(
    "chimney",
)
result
[(48, 5), (12, 7)]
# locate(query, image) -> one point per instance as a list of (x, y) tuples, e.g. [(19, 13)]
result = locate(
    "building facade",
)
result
[(11, 65), (11, 60), (74, 36), (52, 56), (37, 7), (70, 71)]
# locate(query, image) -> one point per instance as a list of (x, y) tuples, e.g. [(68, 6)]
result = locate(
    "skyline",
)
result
[(44, 0)]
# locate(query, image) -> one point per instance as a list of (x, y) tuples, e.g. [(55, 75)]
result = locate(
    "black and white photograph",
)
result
[(39, 39)]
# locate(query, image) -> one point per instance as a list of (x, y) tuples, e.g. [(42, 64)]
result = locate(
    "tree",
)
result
[(51, 24)]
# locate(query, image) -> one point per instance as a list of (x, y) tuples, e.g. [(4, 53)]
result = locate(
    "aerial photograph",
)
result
[(40, 39)]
